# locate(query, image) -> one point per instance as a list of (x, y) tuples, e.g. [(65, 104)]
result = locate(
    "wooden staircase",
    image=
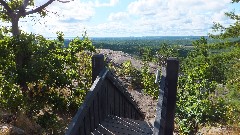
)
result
[(109, 108), (114, 125)]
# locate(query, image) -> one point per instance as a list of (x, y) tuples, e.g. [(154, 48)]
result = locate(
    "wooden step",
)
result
[(114, 125)]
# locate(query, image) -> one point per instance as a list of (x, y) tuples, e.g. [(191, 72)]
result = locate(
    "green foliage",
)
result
[(51, 123), (129, 72), (148, 82), (146, 54), (138, 78), (205, 72), (202, 72), (47, 119), (229, 57), (127, 69), (17, 6), (165, 51), (194, 105), (10, 94), (56, 77), (227, 32), (136, 46)]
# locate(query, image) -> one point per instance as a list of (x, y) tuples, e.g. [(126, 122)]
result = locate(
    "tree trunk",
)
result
[(15, 30), (15, 33), (19, 54)]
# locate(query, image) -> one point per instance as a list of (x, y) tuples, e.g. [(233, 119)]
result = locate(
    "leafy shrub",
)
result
[(36, 73), (200, 100), (148, 82)]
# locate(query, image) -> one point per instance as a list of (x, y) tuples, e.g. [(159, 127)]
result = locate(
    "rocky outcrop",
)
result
[(119, 57)]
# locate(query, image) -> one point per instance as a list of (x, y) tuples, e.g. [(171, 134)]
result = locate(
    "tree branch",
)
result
[(5, 5), (22, 8), (25, 4), (38, 9), (235, 1)]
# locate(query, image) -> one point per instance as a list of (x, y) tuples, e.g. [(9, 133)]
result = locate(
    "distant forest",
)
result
[(135, 45)]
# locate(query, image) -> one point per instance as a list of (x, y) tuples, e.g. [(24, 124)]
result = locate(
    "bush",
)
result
[(38, 74)]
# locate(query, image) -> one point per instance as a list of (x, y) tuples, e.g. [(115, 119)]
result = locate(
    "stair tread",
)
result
[(123, 126)]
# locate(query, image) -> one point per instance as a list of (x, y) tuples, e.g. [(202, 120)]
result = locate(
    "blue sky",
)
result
[(124, 18)]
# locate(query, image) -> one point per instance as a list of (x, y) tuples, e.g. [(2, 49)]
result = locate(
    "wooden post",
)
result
[(160, 120), (97, 65), (172, 78), (164, 121)]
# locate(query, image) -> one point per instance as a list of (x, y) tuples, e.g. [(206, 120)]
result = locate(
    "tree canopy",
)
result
[(13, 10)]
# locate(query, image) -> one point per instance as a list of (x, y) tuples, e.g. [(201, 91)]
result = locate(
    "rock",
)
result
[(119, 57), (4, 130), (7, 118), (7, 129)]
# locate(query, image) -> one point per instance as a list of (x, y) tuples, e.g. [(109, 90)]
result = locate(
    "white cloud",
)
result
[(71, 17), (109, 29), (74, 9), (140, 17), (146, 7), (110, 4), (119, 16), (61, 17), (172, 16)]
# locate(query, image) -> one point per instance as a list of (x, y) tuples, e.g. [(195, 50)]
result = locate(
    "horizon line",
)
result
[(127, 36)]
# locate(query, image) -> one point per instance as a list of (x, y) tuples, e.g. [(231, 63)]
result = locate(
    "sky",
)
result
[(124, 18)]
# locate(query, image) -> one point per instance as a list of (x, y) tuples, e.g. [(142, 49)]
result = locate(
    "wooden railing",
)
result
[(107, 96), (164, 122)]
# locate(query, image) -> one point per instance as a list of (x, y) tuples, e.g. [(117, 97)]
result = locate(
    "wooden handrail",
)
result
[(85, 115), (107, 96)]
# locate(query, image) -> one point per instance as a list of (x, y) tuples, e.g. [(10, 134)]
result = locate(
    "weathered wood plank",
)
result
[(124, 91), (111, 97), (107, 96), (116, 102), (124, 108), (97, 65), (159, 124), (81, 130), (87, 124), (120, 106), (77, 120), (172, 78), (123, 126), (128, 111), (102, 103), (96, 111), (164, 122), (91, 116)]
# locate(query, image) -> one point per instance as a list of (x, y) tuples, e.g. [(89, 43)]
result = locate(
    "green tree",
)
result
[(199, 101), (208, 86), (232, 55), (56, 77), (12, 11), (164, 52), (228, 32)]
